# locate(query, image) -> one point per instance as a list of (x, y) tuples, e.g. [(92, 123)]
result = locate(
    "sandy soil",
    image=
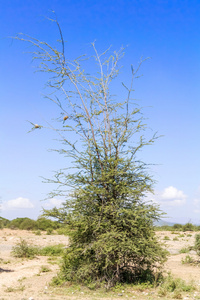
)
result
[(22, 279)]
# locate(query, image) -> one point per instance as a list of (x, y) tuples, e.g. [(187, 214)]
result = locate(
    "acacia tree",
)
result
[(112, 238)]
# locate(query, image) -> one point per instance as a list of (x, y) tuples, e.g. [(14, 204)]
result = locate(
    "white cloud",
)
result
[(170, 196), (18, 203), (53, 202), (172, 193)]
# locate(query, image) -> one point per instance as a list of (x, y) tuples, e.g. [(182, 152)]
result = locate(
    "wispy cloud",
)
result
[(18, 203)]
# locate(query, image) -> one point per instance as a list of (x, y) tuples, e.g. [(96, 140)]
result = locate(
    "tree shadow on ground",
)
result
[(5, 270)]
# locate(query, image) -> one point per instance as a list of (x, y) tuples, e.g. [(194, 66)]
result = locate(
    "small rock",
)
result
[(120, 294)]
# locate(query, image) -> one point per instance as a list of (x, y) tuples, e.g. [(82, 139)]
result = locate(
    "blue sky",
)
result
[(166, 31)]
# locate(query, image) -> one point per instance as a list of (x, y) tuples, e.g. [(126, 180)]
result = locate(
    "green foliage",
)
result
[(187, 260), (188, 227), (112, 226), (181, 235), (65, 230), (176, 286), (184, 250), (197, 243), (178, 227), (45, 269), (46, 224), (4, 222), (54, 250), (17, 223), (23, 250), (41, 223), (38, 232), (28, 224)]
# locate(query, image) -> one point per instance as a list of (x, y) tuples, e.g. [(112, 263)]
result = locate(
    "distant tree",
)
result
[(112, 238)]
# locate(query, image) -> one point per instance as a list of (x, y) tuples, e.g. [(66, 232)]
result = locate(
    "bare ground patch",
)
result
[(23, 279)]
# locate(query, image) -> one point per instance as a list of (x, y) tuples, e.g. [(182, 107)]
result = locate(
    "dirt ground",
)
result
[(22, 279)]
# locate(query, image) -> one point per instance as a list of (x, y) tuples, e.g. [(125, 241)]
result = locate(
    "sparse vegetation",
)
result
[(175, 286), (23, 250), (187, 260), (15, 289), (197, 243), (56, 250), (45, 269), (184, 250)]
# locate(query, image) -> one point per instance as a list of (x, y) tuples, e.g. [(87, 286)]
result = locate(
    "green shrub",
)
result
[(166, 238), (187, 260), (65, 230), (184, 250), (181, 235), (4, 222), (175, 285), (197, 243), (46, 224), (23, 250), (188, 227), (177, 227), (55, 250), (28, 224), (38, 232), (45, 269)]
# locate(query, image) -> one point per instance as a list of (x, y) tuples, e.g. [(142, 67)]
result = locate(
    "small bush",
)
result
[(45, 269), (22, 249), (177, 226), (188, 227), (189, 235), (38, 232), (176, 286), (28, 224), (46, 224), (63, 230), (187, 260), (197, 243), (55, 250), (49, 231), (4, 222), (184, 250), (181, 235), (175, 239), (166, 238)]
